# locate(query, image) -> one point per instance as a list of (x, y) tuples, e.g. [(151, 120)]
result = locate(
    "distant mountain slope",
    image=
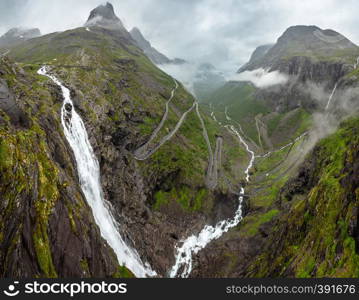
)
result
[(256, 56), (17, 35), (207, 79), (154, 55), (306, 41)]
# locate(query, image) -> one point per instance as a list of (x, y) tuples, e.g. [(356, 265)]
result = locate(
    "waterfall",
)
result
[(331, 96), (195, 243), (89, 175)]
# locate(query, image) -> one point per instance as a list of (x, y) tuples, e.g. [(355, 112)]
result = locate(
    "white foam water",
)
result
[(193, 244), (89, 175)]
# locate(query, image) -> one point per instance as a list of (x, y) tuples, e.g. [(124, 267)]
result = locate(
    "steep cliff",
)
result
[(46, 229)]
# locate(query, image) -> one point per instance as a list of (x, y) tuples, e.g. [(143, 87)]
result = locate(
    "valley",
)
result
[(110, 167)]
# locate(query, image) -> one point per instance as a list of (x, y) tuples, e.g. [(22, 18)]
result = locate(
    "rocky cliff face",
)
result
[(47, 229)]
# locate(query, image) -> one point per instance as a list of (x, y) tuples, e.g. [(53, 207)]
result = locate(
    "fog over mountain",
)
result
[(224, 33)]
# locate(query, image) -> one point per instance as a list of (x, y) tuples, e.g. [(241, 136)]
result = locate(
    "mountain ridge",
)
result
[(17, 35), (305, 41)]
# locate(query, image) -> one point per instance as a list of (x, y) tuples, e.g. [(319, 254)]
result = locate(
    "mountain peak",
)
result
[(104, 16), (314, 36), (307, 41)]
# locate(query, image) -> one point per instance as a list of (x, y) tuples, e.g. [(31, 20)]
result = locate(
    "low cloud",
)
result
[(185, 73), (261, 78), (327, 119)]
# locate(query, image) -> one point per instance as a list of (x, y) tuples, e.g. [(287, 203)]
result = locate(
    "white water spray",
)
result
[(194, 243), (89, 175)]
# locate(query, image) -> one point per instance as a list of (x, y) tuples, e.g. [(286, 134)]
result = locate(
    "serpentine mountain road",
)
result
[(141, 152), (146, 152)]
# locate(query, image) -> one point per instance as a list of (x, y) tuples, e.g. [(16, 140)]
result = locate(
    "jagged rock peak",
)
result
[(104, 16)]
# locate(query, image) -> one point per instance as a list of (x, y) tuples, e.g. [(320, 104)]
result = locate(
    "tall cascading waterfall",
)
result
[(89, 175), (195, 243)]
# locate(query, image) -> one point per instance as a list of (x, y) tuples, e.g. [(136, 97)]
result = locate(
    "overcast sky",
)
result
[(223, 32)]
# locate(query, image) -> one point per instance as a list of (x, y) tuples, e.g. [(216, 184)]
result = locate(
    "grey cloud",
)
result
[(222, 32)]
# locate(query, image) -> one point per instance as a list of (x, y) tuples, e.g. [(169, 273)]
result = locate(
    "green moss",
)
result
[(29, 155), (43, 251), (72, 220), (306, 268), (161, 198), (251, 224), (5, 155), (123, 272), (85, 267), (188, 199)]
